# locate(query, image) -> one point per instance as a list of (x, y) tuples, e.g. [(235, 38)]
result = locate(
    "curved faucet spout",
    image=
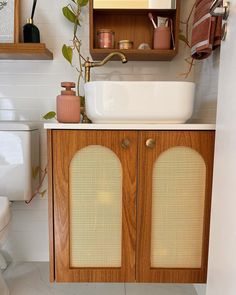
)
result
[(109, 57), (91, 64)]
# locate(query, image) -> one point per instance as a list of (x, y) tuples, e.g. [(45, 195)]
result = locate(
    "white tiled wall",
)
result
[(28, 90), (206, 78)]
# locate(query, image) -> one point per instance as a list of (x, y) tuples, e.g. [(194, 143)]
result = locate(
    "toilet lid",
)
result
[(4, 212)]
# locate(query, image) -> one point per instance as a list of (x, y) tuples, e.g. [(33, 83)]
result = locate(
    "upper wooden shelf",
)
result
[(25, 51), (134, 25)]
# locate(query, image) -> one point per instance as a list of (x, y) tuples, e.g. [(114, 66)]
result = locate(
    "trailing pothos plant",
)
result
[(72, 12), (184, 37)]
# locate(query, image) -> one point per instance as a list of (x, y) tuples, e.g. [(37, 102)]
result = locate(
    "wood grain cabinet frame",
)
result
[(137, 159)]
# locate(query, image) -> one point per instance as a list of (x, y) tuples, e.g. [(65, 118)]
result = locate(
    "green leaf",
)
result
[(82, 2), (49, 116), (35, 172), (67, 53), (69, 14), (43, 193)]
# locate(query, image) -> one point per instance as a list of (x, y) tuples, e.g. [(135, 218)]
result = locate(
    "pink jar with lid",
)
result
[(105, 38), (68, 104)]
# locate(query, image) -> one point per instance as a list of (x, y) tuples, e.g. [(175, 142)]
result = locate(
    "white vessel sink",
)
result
[(139, 102)]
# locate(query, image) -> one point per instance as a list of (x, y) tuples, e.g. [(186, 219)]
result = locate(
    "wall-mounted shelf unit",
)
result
[(25, 51), (134, 25)]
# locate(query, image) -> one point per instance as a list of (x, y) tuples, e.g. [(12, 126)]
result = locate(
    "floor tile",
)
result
[(33, 279), (159, 289)]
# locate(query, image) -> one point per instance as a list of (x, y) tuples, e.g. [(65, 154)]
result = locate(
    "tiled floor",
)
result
[(32, 279)]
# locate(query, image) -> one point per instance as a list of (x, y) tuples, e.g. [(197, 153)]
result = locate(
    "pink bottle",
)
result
[(68, 104)]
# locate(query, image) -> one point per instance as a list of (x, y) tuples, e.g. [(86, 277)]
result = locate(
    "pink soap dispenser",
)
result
[(68, 104)]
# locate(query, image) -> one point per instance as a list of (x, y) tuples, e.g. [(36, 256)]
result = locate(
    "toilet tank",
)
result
[(19, 157)]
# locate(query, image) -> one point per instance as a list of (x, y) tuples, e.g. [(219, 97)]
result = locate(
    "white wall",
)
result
[(206, 77), (200, 289), (222, 255), (28, 90)]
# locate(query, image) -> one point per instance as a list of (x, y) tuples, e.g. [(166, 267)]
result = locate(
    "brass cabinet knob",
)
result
[(150, 143), (125, 143)]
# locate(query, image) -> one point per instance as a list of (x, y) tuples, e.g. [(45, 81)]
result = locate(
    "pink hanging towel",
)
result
[(206, 33)]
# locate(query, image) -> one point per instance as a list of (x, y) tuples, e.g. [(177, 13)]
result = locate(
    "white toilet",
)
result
[(19, 154), (5, 217)]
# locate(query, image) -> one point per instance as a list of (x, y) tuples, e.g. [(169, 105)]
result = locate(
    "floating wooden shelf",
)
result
[(134, 25), (25, 51), (136, 54)]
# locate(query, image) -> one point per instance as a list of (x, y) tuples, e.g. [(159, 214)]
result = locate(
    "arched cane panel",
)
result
[(179, 182), (95, 208)]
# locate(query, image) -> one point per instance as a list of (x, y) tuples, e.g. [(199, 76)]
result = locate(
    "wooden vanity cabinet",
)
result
[(98, 180)]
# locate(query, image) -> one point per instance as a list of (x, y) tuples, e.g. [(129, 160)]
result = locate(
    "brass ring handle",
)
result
[(125, 143), (150, 143)]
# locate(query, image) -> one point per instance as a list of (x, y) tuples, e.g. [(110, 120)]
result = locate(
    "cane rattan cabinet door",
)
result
[(94, 185), (174, 198)]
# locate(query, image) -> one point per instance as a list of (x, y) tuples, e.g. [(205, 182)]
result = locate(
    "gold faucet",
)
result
[(91, 64)]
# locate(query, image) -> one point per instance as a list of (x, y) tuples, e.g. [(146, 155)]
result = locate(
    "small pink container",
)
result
[(105, 38), (162, 38), (68, 104)]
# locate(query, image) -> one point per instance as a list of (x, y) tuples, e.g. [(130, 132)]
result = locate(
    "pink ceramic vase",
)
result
[(68, 104)]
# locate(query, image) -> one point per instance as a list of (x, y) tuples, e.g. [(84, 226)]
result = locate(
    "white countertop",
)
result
[(129, 126)]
